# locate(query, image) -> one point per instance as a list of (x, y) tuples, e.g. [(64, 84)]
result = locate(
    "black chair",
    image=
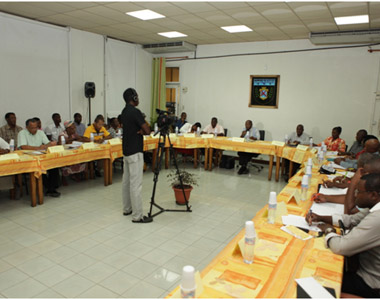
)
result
[(225, 131)]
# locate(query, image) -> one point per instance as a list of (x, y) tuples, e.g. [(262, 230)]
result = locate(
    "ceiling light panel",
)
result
[(145, 14), (237, 28), (362, 19)]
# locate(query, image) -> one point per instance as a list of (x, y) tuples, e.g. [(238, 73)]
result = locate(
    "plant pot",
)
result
[(178, 193)]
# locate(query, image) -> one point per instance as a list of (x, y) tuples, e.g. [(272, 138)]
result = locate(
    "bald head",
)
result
[(372, 145), (373, 165)]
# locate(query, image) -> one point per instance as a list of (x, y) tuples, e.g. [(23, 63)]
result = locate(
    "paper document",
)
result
[(347, 174), (298, 221), (332, 191), (313, 288), (327, 209), (336, 166), (75, 144), (330, 153)]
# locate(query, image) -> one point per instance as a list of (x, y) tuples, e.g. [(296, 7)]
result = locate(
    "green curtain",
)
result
[(158, 88)]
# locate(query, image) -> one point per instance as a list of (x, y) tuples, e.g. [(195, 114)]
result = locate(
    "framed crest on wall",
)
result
[(264, 90)]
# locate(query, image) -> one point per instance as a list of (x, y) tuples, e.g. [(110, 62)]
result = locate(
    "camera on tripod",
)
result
[(164, 120)]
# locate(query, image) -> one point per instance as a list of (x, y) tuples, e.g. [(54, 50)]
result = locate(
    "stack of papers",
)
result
[(327, 209), (336, 166), (332, 191), (298, 221)]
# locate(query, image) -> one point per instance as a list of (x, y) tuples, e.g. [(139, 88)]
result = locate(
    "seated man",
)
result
[(97, 129), (245, 157), (370, 146), (5, 181), (114, 127), (33, 139), (10, 131), (363, 239), (54, 130), (299, 136), (80, 127), (182, 121), (358, 145), (367, 164), (214, 128), (296, 138), (100, 134)]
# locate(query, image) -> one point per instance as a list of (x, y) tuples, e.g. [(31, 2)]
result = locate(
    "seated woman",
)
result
[(70, 136), (334, 142)]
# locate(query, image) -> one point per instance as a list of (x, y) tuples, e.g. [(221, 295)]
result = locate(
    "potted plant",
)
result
[(188, 180)]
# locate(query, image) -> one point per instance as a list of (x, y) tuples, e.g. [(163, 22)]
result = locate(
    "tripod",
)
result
[(160, 153)]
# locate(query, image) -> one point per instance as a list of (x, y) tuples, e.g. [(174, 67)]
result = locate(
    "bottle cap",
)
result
[(250, 229), (188, 278), (272, 198), (305, 180)]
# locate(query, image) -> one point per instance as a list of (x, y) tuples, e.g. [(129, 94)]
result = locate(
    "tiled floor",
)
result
[(81, 246)]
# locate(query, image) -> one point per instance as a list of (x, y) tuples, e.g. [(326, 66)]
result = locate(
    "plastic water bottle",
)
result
[(310, 162), (92, 137), (216, 132), (119, 133), (155, 128), (188, 285), (198, 131), (309, 173), (324, 150), (247, 136), (12, 145), (176, 130), (272, 206), (311, 143), (304, 187), (63, 141), (250, 240), (286, 139)]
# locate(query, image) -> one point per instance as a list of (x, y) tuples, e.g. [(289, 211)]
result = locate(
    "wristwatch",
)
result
[(329, 230)]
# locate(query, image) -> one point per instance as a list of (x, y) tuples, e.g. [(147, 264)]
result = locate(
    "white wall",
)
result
[(86, 64), (34, 70), (320, 89), (44, 68)]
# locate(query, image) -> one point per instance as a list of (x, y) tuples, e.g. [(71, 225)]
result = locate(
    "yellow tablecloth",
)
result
[(26, 164), (279, 259), (261, 147)]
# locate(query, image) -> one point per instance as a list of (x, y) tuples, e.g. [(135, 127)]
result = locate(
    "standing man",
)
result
[(53, 131), (245, 157), (80, 127), (134, 127), (11, 130)]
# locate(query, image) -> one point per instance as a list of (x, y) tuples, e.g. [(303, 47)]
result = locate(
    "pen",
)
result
[(309, 214)]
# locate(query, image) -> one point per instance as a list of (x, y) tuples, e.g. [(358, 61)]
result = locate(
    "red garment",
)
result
[(337, 145), (359, 153)]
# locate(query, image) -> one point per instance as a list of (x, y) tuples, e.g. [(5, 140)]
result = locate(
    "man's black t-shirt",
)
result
[(132, 120)]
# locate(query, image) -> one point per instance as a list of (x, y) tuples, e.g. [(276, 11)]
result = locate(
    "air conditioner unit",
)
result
[(170, 47), (345, 37)]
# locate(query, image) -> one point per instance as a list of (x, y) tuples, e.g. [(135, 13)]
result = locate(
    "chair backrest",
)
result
[(262, 135), (225, 131)]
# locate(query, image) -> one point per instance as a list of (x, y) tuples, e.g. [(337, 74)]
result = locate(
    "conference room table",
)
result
[(279, 259), (24, 164)]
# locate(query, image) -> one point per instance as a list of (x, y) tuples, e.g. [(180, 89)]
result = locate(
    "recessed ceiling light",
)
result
[(237, 28), (145, 14), (172, 34), (351, 20)]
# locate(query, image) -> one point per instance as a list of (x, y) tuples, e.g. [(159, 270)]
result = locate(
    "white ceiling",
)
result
[(201, 21)]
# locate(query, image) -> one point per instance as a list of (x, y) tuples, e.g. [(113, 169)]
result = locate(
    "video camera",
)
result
[(164, 119)]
